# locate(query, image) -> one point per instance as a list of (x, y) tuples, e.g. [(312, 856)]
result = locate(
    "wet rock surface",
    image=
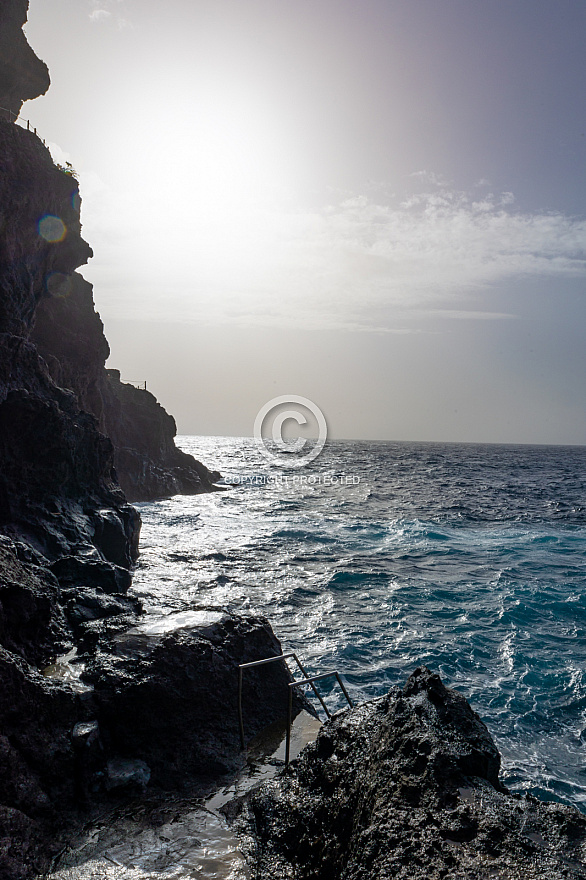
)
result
[(405, 787), (150, 711), (172, 837), (171, 841), (170, 699)]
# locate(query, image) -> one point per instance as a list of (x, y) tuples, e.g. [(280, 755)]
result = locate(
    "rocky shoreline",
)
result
[(405, 787), (92, 706), (156, 709), (97, 703)]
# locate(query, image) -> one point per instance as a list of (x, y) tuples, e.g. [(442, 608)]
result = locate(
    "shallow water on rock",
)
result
[(192, 844), (168, 623), (147, 635), (67, 668), (178, 840)]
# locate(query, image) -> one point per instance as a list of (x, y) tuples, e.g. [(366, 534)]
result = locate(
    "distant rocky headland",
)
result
[(96, 703)]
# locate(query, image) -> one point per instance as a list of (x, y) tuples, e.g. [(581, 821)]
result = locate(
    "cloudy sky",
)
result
[(377, 205)]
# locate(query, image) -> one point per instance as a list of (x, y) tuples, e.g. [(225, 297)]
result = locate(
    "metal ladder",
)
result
[(306, 680)]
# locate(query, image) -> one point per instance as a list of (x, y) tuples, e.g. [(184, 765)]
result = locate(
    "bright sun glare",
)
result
[(208, 181), (236, 159), (220, 139)]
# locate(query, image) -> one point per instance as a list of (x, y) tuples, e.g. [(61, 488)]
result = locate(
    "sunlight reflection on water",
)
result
[(461, 557)]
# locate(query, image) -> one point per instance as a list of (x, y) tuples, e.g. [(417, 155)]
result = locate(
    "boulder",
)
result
[(406, 787), (170, 698)]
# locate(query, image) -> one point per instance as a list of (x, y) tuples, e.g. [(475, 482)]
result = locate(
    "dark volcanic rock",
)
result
[(63, 517), (57, 468), (164, 709), (171, 700), (148, 463), (37, 716), (406, 787), (32, 187), (32, 622), (21, 845), (56, 476), (70, 337), (22, 75), (37, 766), (68, 537)]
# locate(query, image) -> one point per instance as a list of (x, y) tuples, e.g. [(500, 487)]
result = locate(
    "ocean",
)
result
[(379, 557)]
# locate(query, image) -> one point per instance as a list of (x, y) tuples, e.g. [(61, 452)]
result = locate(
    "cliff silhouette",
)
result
[(69, 336), (45, 302), (75, 445)]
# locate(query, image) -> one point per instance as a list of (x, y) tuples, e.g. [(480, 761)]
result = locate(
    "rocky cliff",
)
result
[(69, 335), (68, 537), (23, 76), (58, 490), (72, 437)]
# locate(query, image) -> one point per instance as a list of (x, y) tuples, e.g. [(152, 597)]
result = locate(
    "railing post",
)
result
[(313, 687), (310, 681), (345, 692), (289, 720), (306, 680), (240, 719), (241, 668)]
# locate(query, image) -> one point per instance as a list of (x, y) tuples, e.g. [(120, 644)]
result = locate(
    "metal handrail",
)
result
[(309, 681), (11, 113), (18, 118), (243, 666)]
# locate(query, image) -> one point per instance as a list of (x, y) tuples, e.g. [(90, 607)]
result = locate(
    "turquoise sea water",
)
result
[(379, 557)]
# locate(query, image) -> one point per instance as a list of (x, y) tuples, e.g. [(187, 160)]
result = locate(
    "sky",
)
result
[(376, 205)]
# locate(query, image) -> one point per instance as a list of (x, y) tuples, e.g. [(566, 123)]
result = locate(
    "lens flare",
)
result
[(58, 284), (52, 228)]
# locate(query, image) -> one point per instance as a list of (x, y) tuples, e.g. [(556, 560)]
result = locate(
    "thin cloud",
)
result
[(469, 315), (109, 11), (429, 177), (372, 259), (100, 15)]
